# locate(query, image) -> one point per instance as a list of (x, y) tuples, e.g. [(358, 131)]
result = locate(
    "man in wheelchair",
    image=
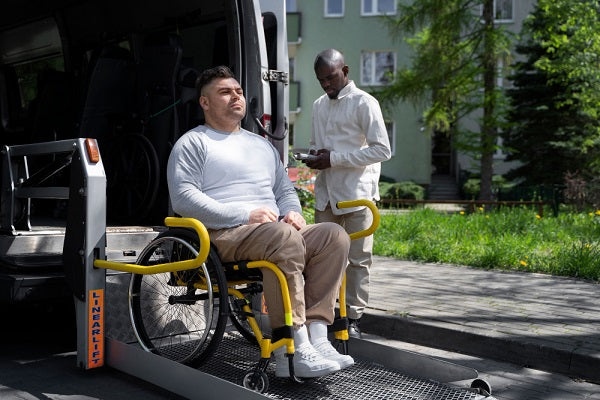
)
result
[(233, 181)]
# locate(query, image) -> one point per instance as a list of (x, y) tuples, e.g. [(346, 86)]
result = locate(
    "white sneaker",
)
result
[(308, 363), (325, 348)]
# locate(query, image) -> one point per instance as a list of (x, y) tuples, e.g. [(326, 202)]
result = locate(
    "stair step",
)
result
[(443, 187)]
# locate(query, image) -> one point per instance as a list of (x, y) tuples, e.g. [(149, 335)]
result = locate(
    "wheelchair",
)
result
[(183, 315)]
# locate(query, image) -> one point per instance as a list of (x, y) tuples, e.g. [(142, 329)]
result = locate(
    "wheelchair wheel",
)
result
[(482, 387), (256, 381), (171, 317)]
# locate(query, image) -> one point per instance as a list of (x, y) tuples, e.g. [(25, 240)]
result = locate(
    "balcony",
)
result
[(294, 33)]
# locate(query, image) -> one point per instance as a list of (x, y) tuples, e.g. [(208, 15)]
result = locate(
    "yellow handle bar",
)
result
[(167, 267), (371, 206)]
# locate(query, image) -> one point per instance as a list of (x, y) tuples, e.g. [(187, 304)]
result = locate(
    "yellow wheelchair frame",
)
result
[(192, 274)]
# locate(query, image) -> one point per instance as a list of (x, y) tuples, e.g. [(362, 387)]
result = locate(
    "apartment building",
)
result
[(355, 27)]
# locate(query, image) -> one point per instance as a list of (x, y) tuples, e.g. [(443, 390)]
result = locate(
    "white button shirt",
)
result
[(351, 127)]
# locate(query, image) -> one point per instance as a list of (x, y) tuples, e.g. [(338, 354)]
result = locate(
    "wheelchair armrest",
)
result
[(167, 267), (242, 272)]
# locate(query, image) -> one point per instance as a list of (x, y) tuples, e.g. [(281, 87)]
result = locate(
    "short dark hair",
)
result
[(329, 57), (208, 75)]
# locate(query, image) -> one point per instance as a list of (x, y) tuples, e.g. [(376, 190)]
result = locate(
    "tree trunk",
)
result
[(488, 129)]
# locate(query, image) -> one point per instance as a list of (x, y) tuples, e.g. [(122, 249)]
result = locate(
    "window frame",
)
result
[(326, 14), (374, 52), (375, 12), (501, 21), (291, 6)]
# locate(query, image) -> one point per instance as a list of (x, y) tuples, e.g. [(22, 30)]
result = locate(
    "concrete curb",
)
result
[(565, 359)]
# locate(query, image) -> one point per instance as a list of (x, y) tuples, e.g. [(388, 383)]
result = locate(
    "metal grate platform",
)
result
[(235, 356), (364, 380)]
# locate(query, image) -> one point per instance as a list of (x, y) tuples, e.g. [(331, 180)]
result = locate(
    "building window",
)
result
[(378, 7), (290, 6), (377, 67), (334, 8), (500, 72), (391, 132), (499, 154), (503, 10), (292, 68)]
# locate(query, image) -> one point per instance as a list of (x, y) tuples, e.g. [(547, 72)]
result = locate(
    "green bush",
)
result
[(472, 186), (401, 190)]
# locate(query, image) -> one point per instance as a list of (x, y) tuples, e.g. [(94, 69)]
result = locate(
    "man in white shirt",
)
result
[(350, 141), (234, 182)]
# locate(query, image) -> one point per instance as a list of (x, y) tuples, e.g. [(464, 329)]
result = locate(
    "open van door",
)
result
[(277, 74), (121, 72)]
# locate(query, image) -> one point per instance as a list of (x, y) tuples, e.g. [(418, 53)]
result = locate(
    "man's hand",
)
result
[(295, 219), (321, 162), (262, 215)]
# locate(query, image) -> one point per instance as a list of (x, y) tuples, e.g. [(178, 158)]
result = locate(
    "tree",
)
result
[(553, 113), (548, 127), (571, 40), (453, 72)]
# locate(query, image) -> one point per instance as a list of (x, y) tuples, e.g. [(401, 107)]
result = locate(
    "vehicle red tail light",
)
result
[(265, 120)]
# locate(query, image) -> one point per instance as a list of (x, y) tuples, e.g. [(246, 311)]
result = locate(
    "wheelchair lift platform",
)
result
[(105, 335), (370, 378), (380, 372)]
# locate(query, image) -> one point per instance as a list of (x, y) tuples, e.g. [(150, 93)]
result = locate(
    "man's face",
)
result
[(223, 98), (332, 78)]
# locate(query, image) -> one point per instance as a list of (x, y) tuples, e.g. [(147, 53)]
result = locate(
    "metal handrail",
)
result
[(167, 267)]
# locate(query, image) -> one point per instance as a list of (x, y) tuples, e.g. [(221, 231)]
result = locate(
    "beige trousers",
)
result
[(312, 259), (359, 258)]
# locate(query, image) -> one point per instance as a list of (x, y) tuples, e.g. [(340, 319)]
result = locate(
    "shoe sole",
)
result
[(343, 361), (310, 374), (345, 364)]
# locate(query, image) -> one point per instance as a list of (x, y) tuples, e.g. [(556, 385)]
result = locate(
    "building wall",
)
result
[(351, 35)]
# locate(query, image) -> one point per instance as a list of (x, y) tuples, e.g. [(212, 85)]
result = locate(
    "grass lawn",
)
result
[(509, 238)]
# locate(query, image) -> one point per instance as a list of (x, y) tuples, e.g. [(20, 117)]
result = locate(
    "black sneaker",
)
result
[(354, 329)]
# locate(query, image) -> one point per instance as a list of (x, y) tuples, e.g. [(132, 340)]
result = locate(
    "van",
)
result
[(123, 73)]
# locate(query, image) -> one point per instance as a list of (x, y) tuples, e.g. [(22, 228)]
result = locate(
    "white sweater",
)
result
[(219, 177)]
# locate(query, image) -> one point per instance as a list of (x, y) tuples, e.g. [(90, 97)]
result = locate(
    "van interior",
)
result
[(122, 72)]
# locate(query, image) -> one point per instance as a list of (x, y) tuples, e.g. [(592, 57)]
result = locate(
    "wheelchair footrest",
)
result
[(339, 324), (283, 332)]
